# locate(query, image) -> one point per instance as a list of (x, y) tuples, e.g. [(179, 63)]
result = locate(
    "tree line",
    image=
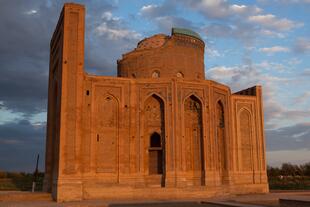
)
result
[(288, 169)]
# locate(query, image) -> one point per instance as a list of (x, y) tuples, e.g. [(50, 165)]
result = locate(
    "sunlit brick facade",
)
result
[(157, 130)]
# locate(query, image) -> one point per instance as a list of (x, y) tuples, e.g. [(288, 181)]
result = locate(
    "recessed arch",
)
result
[(107, 124), (194, 96), (244, 109), (220, 114), (220, 140), (154, 129), (107, 95), (156, 95), (193, 124), (245, 139)]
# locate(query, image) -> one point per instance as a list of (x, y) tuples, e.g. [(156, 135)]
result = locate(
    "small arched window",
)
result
[(155, 140), (180, 75), (156, 74)]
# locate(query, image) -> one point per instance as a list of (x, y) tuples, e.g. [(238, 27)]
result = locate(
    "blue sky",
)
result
[(247, 43)]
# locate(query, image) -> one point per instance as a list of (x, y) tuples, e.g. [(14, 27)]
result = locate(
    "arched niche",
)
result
[(245, 140), (220, 136), (154, 129), (194, 137), (107, 112)]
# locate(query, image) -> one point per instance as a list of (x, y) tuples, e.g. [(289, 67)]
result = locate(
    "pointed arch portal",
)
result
[(220, 138), (194, 137), (154, 126), (107, 134), (246, 140)]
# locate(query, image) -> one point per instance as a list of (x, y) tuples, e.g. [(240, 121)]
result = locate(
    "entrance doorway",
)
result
[(155, 155)]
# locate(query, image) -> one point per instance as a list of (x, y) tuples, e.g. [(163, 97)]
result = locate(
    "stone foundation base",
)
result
[(78, 191)]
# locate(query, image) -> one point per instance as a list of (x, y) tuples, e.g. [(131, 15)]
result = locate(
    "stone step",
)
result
[(24, 196)]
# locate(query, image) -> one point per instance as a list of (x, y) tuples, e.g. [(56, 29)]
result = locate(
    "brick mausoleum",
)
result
[(159, 130)]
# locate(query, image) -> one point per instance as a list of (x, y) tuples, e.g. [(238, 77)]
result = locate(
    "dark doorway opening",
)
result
[(155, 140), (155, 154)]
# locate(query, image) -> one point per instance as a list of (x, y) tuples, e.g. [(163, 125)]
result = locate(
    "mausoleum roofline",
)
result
[(185, 31)]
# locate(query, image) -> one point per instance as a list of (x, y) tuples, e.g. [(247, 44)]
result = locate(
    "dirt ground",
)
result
[(21, 199)]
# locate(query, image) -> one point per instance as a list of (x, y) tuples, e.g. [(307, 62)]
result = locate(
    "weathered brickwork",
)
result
[(158, 130)]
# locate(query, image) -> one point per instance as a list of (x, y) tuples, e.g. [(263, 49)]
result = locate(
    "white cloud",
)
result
[(165, 16), (153, 10), (243, 9), (116, 34), (212, 52), (109, 34), (148, 8), (213, 8), (221, 8), (267, 32), (244, 76), (8, 115), (271, 21), (31, 12), (108, 16), (222, 72), (244, 33), (238, 8), (274, 49), (271, 66), (111, 27), (165, 23)]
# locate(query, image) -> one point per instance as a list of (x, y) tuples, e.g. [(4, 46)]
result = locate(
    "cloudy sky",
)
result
[(247, 42)]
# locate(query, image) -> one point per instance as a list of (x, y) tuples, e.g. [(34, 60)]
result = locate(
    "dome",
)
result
[(184, 31), (154, 41)]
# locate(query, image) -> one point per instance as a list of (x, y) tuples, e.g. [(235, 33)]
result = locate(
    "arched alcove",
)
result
[(220, 137), (194, 136), (245, 140), (154, 128), (107, 134)]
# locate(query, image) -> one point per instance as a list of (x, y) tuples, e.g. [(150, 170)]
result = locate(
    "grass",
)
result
[(289, 183), (23, 182), (19, 181)]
